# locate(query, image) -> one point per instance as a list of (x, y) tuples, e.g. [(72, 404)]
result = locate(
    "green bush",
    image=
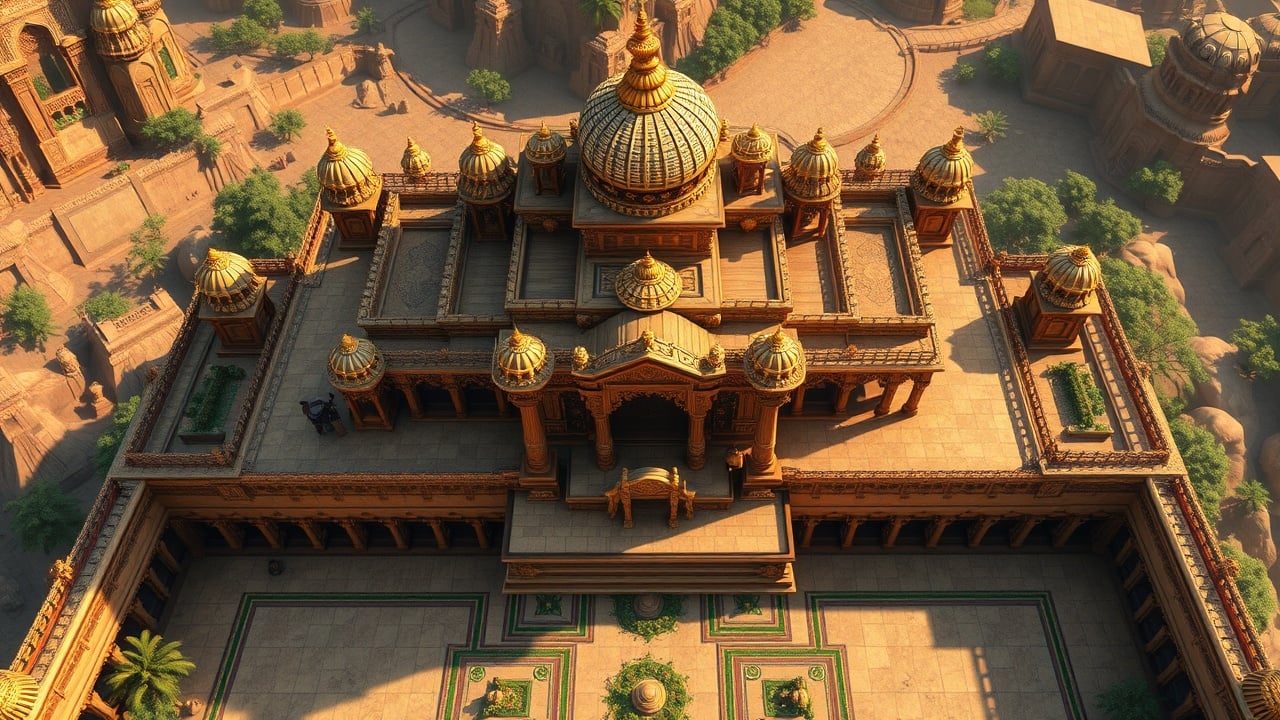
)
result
[(1023, 215), (600, 11), (1087, 403), (45, 517), (1159, 330), (992, 124), (1107, 227), (1003, 64), (1253, 495), (179, 126), (107, 306), (1157, 46), (798, 10), (979, 9), (965, 72), (286, 124), (489, 84), (1076, 192), (293, 44), (1259, 343), (243, 36), (147, 254), (259, 219), (367, 21), (1130, 700), (266, 13), (1254, 586), (762, 15), (672, 607), (1158, 181), (618, 690), (109, 441), (27, 316), (209, 148), (1207, 465), (210, 404)]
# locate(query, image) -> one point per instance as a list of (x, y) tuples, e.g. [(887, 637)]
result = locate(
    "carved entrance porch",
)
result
[(635, 388)]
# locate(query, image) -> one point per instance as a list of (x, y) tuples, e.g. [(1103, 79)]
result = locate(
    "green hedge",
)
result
[(672, 607), (210, 404), (1087, 403), (618, 690), (1254, 586)]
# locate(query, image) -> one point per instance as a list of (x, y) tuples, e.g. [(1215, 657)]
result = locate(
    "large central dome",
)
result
[(648, 137)]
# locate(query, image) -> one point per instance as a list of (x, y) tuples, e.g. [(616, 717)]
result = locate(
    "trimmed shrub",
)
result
[(965, 72), (179, 126), (1157, 46), (45, 517), (491, 85), (1076, 192), (243, 36), (1158, 181), (109, 441), (107, 306), (27, 316), (1206, 462), (1254, 586), (1004, 65)]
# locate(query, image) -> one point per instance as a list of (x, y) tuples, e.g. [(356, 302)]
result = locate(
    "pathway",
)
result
[(943, 38)]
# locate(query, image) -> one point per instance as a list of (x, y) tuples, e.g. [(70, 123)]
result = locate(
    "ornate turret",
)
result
[(811, 182), (545, 150), (17, 695), (751, 151), (1224, 49), (944, 171), (1267, 28), (233, 298), (485, 184), (647, 285), (1070, 276), (870, 160), (1263, 96), (415, 162), (355, 369), (774, 363), (1060, 298), (350, 190), (118, 32), (522, 363), (1262, 694)]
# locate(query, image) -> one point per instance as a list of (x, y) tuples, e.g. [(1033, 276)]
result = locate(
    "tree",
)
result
[(599, 11), (1158, 181), (266, 13), (727, 37), (1157, 45), (1130, 699), (1076, 192), (490, 84), (1004, 64), (1023, 216), (367, 22), (1259, 344), (292, 44), (107, 306), (244, 36), (1207, 465), (148, 256), (1156, 325), (302, 195), (45, 517), (992, 124), (762, 15), (286, 124), (798, 10), (258, 218), (109, 441), (1107, 227), (1254, 587), (1253, 495), (27, 316), (146, 679), (209, 148), (179, 126)]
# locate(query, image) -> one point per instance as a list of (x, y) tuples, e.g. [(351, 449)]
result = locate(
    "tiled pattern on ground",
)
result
[(987, 637)]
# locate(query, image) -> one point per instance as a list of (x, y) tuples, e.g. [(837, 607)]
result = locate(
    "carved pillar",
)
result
[(502, 401), (797, 404), (535, 436), (166, 556), (19, 82), (978, 530), (355, 530), (482, 535), (30, 186), (271, 532), (850, 527), (696, 456), (143, 616), (96, 706), (604, 436), (459, 401), (890, 386), (1064, 530), (189, 536), (231, 532), (890, 534), (442, 538), (842, 399), (918, 384), (763, 458), (397, 532), (806, 537), (935, 531), (157, 585), (409, 388), (78, 61), (314, 533), (1022, 530)]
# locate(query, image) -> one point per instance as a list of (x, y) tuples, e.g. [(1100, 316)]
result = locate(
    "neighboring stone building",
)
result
[(1072, 46), (1252, 248), (1263, 97), (122, 349)]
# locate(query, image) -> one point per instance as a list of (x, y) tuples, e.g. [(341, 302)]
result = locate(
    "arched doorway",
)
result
[(649, 418)]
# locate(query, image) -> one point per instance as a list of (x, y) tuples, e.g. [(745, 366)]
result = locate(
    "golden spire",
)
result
[(544, 132), (337, 150), (411, 148), (954, 147), (645, 87), (518, 340), (217, 259), (479, 143), (347, 344), (819, 142)]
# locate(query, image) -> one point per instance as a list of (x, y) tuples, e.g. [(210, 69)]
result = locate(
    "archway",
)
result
[(649, 418)]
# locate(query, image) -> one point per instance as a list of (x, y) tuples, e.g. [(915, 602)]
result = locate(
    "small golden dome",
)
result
[(346, 174), (117, 30), (870, 161), (355, 364), (147, 9), (647, 284), (485, 170), (522, 363), (1070, 275), (1267, 27), (227, 281), (752, 146), (415, 162), (814, 171), (944, 171), (774, 362), (545, 147), (17, 695), (1262, 694), (1223, 42), (648, 697)]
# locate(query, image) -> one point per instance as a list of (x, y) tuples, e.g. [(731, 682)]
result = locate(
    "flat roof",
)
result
[(1100, 28)]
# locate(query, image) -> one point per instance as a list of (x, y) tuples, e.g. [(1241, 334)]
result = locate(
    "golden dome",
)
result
[(870, 160), (355, 364), (117, 31), (485, 170), (752, 146), (1070, 275), (1267, 27), (227, 281), (647, 285), (1223, 42), (774, 362), (147, 9), (17, 695), (545, 147), (522, 363), (415, 162), (1262, 694), (944, 171), (648, 137), (648, 697), (814, 171), (346, 174)]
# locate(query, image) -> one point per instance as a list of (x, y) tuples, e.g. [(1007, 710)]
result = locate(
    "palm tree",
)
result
[(1253, 495), (146, 680), (601, 10)]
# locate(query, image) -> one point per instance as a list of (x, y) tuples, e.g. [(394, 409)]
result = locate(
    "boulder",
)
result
[(1254, 532), (1158, 258), (1230, 433), (1269, 464), (1224, 389)]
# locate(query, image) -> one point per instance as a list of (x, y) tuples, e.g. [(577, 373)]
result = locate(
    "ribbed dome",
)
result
[(1267, 27), (545, 147), (774, 362), (147, 9), (752, 146), (870, 160), (944, 170), (648, 137), (227, 281), (522, 363), (346, 174), (647, 285), (17, 695), (1262, 694), (1223, 42), (118, 33), (415, 162), (485, 170), (1070, 275), (355, 364), (648, 697), (814, 171)]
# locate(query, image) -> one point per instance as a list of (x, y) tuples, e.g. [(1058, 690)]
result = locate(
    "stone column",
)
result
[(763, 457), (890, 385), (19, 82), (409, 388), (604, 436), (696, 455), (535, 437), (78, 61), (456, 396), (797, 404), (918, 384), (842, 400)]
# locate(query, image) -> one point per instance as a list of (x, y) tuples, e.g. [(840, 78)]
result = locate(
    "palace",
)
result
[(762, 366)]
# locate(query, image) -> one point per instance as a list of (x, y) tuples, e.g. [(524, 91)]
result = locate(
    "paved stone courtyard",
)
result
[(990, 637)]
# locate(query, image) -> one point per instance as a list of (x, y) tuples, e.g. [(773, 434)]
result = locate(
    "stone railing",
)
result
[(436, 183)]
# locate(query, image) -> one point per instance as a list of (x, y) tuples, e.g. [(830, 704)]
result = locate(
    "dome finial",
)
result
[(955, 146), (337, 150), (543, 131), (479, 143), (645, 87), (819, 141)]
